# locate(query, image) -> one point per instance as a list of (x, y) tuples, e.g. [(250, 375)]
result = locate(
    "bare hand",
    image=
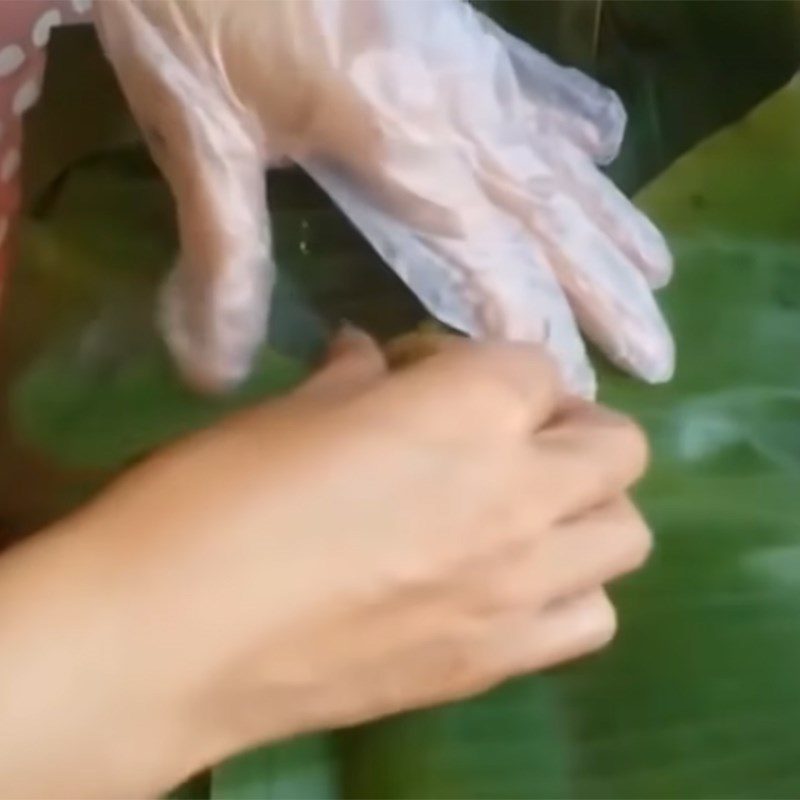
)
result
[(378, 541)]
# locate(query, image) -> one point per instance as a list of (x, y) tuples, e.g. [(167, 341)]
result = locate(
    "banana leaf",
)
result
[(699, 697), (683, 68)]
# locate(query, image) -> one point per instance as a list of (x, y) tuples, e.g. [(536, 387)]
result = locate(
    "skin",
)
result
[(380, 540)]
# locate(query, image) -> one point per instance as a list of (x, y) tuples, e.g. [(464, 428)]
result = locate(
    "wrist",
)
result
[(79, 697)]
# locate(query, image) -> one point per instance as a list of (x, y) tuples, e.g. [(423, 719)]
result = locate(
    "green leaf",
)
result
[(683, 68), (196, 788), (102, 392), (302, 769), (699, 696), (512, 744), (104, 418), (82, 305)]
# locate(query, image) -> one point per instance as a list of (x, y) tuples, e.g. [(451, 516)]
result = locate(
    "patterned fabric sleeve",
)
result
[(25, 27)]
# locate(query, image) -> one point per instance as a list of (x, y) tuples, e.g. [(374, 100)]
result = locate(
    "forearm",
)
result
[(78, 714)]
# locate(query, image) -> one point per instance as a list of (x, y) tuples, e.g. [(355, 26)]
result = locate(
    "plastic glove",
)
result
[(464, 157)]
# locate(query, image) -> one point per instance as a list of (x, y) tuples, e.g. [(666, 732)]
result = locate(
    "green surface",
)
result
[(700, 696), (303, 769), (683, 68)]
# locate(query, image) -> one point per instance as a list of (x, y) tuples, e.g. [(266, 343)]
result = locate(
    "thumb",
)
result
[(354, 362)]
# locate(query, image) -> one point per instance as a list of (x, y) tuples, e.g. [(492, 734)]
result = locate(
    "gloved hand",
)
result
[(464, 156)]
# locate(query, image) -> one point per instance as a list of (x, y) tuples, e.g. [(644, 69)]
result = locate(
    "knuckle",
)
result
[(525, 377), (494, 400), (501, 384), (508, 594)]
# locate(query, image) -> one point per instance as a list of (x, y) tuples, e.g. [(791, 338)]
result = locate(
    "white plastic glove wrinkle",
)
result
[(465, 157), (577, 108), (208, 147)]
